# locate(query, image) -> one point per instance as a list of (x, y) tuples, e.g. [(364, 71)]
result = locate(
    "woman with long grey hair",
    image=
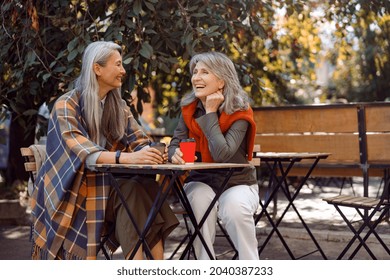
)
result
[(73, 206)]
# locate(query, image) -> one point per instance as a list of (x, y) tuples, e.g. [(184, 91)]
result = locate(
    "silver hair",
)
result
[(87, 84), (236, 99)]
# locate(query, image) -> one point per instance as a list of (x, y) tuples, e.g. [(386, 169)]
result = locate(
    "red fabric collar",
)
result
[(225, 122)]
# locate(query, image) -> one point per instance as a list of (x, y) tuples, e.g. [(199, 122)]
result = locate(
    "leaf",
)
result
[(53, 63), (127, 60), (72, 44), (59, 69), (188, 38), (149, 6), (170, 44), (131, 82), (30, 58), (173, 60), (150, 31), (164, 67), (146, 50), (213, 34), (137, 8), (129, 23), (69, 70), (72, 55), (246, 80), (212, 29), (199, 15), (46, 77), (136, 62)]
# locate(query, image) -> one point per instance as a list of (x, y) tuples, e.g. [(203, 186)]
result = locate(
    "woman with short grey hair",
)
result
[(217, 114)]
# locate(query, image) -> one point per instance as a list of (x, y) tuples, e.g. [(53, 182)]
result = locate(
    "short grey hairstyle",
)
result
[(236, 99)]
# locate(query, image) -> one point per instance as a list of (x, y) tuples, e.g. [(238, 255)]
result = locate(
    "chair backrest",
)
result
[(29, 161), (34, 156), (330, 129), (255, 161)]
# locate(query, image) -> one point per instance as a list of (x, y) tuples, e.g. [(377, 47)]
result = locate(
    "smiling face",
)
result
[(204, 82), (110, 75)]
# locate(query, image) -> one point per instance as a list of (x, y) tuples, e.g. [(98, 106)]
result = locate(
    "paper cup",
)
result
[(159, 146), (187, 147)]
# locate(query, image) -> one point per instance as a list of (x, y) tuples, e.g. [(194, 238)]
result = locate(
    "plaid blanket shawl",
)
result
[(69, 201)]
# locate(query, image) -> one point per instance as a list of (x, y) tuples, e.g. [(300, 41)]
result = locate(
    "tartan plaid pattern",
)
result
[(69, 201)]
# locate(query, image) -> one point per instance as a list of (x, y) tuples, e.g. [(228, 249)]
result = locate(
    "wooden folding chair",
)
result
[(33, 158), (371, 210)]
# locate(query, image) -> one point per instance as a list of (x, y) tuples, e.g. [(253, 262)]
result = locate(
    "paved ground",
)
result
[(325, 223)]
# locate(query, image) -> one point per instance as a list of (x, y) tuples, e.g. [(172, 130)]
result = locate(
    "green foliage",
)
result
[(275, 46), (361, 53), (44, 40)]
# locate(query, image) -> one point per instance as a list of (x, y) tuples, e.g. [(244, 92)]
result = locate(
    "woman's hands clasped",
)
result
[(147, 155)]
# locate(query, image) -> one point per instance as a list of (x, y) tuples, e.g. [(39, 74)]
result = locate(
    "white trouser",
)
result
[(235, 208)]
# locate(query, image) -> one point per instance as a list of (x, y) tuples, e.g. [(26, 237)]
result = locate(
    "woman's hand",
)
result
[(213, 101), (177, 157), (147, 155)]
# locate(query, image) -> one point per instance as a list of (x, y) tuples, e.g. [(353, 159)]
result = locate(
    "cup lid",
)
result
[(154, 144), (188, 140)]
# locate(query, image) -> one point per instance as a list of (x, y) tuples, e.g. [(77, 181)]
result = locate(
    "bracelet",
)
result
[(117, 156)]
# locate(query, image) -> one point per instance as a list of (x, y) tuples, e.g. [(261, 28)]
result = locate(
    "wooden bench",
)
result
[(357, 135)]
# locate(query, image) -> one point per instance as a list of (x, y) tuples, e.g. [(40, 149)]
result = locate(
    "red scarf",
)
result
[(225, 122)]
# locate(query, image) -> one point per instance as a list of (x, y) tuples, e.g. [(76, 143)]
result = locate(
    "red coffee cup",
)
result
[(187, 147)]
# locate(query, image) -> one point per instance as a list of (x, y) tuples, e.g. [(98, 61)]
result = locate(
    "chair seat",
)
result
[(353, 201)]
